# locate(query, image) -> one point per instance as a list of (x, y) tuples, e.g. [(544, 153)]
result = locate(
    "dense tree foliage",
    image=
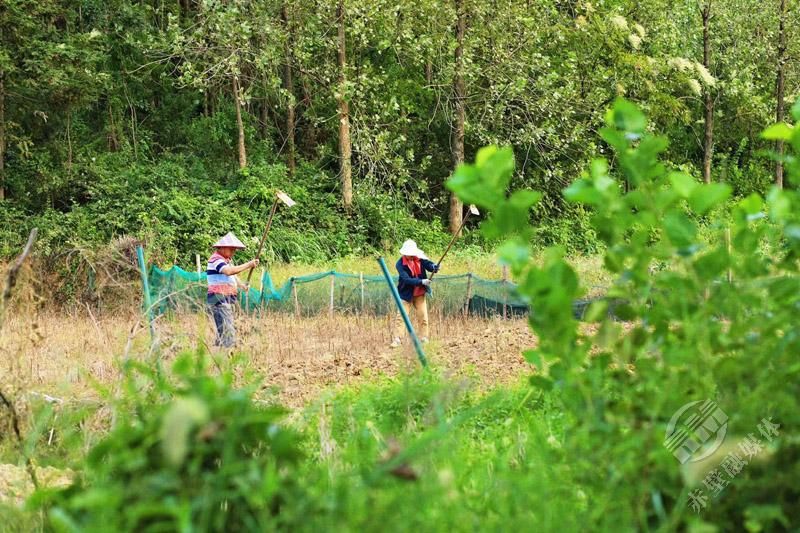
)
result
[(165, 120)]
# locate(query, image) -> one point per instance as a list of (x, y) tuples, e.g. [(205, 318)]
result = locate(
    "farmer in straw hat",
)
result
[(223, 287), (413, 287)]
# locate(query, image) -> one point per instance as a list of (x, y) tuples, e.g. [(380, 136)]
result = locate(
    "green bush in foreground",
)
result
[(190, 454), (706, 320)]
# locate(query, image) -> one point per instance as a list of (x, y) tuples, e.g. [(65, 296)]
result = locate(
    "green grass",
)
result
[(486, 462), (483, 461)]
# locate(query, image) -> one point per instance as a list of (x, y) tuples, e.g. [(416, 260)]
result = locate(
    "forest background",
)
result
[(174, 122)]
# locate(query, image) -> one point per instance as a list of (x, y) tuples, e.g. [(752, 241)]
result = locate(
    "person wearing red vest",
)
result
[(413, 286)]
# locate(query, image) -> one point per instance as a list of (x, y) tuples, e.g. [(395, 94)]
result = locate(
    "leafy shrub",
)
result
[(194, 452), (691, 334)]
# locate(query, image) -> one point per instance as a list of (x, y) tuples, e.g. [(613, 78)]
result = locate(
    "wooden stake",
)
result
[(333, 289), (361, 280), (469, 292), (296, 301), (505, 292), (197, 260)]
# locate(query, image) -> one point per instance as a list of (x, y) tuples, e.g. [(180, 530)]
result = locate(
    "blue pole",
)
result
[(148, 304), (409, 327)]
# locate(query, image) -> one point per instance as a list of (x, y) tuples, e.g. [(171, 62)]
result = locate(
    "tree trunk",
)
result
[(113, 140), (239, 124), (2, 136), (459, 93), (288, 85), (69, 141), (780, 90), (345, 148), (708, 144), (184, 5)]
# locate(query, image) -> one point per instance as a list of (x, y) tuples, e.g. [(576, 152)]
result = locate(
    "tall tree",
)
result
[(237, 102), (220, 52), (345, 146), (708, 138), (780, 87), (459, 118), (288, 87), (2, 135)]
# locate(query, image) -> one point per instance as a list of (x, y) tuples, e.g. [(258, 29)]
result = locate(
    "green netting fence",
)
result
[(329, 292)]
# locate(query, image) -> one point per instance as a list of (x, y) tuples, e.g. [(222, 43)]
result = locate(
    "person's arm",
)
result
[(429, 265), (231, 270), (406, 278)]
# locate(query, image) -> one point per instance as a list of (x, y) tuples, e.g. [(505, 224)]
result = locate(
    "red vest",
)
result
[(415, 266)]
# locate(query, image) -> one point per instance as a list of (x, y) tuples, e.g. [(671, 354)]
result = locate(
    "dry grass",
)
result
[(65, 355)]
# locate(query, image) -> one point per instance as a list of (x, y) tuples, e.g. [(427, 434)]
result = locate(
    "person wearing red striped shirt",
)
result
[(223, 287)]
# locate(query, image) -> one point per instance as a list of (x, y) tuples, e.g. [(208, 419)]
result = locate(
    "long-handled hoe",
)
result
[(280, 197), (472, 211)]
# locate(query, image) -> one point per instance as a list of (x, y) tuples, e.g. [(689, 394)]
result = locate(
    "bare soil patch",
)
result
[(63, 356)]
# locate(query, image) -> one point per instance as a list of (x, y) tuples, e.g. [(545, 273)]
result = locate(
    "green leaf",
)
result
[(540, 382), (752, 205), (468, 184), (778, 132), (583, 192), (796, 111), (780, 205), (484, 154), (182, 416), (514, 253), (524, 198), (627, 117), (680, 230), (711, 265), (705, 197), (497, 169), (597, 311), (683, 184), (534, 357)]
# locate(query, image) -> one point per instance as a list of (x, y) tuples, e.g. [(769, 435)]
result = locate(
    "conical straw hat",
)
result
[(229, 241)]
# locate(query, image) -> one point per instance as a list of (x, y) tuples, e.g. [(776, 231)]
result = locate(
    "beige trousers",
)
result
[(420, 308)]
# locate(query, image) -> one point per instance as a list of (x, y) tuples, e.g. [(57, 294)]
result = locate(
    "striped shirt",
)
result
[(218, 283)]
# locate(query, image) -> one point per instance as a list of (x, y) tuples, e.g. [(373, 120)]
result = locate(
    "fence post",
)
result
[(361, 281), (333, 289), (505, 291), (296, 301), (469, 293), (148, 304), (197, 260)]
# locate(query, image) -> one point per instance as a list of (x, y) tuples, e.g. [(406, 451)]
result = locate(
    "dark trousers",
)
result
[(223, 320)]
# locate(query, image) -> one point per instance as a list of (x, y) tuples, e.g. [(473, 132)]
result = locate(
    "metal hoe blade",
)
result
[(283, 197)]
